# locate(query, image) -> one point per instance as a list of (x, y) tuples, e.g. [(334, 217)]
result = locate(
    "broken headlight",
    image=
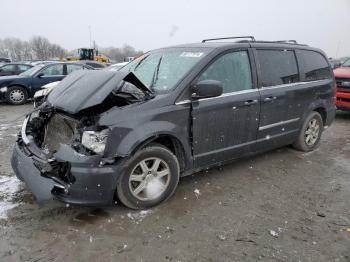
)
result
[(95, 140)]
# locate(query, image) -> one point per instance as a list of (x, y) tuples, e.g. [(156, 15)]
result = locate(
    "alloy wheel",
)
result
[(312, 132), (149, 179)]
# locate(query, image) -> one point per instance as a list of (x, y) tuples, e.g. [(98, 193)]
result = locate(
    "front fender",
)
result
[(124, 141)]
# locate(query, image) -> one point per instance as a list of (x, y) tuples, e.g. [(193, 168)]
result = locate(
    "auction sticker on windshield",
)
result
[(191, 54)]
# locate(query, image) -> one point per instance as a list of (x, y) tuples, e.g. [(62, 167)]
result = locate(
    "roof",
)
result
[(217, 43)]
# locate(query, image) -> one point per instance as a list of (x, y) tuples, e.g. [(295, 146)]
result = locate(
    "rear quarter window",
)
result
[(314, 65), (278, 67)]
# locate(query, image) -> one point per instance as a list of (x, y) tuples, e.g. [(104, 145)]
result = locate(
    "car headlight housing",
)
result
[(95, 140)]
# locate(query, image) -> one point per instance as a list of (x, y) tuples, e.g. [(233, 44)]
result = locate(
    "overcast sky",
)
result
[(155, 23)]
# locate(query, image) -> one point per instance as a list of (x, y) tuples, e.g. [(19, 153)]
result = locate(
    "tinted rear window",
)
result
[(278, 67), (315, 66)]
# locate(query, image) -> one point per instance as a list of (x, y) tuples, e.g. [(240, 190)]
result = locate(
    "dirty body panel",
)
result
[(200, 132)]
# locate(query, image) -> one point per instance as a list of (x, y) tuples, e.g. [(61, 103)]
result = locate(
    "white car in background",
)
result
[(40, 95), (117, 66)]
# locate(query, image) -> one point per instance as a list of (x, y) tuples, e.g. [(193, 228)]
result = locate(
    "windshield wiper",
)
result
[(156, 72)]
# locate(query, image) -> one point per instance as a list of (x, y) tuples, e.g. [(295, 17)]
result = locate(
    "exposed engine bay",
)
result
[(51, 127)]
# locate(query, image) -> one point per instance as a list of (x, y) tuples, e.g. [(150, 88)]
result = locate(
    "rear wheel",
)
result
[(16, 95), (151, 176), (310, 133)]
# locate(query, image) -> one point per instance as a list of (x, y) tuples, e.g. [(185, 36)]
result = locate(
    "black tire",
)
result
[(16, 95), (301, 143), (124, 186)]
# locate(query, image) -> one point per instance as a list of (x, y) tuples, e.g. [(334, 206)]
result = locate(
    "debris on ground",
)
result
[(320, 214), (273, 233), (197, 193), (137, 217), (221, 237), (122, 248)]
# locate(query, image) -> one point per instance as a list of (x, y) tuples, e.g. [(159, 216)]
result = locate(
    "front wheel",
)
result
[(150, 177), (310, 133), (16, 95)]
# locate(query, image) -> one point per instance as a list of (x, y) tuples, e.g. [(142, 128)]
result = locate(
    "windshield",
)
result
[(32, 71), (347, 62), (161, 71)]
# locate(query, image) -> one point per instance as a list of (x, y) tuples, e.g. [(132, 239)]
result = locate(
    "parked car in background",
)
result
[(94, 64), (130, 134), (342, 78), (13, 69), (5, 60), (117, 66), (17, 90), (41, 62), (335, 63)]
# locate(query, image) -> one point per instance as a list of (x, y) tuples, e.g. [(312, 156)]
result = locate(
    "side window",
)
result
[(8, 68), (23, 68), (315, 66), (233, 70), (53, 70), (72, 68), (278, 67)]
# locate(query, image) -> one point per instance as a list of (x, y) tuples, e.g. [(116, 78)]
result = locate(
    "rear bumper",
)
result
[(343, 100), (92, 184)]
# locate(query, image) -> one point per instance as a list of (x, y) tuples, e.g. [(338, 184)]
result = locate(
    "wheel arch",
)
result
[(323, 112), (169, 141), (316, 107)]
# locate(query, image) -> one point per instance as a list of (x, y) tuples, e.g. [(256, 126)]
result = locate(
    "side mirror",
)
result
[(206, 89), (40, 75)]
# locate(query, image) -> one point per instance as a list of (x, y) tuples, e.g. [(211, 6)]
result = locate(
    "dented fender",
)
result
[(124, 140)]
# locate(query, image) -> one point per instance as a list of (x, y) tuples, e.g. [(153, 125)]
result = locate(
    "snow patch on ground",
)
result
[(9, 186), (137, 217)]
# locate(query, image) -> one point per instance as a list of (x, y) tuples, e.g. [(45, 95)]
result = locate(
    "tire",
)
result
[(143, 183), (310, 133), (16, 95)]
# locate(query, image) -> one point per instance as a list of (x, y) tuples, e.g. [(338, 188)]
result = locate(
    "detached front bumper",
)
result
[(92, 184)]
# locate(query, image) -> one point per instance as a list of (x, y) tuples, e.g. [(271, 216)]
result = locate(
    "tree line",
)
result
[(40, 48), (37, 48)]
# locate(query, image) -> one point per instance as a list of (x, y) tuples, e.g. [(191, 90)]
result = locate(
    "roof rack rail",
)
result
[(287, 41), (252, 38)]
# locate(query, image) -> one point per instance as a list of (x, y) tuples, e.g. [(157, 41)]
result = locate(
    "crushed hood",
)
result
[(87, 88)]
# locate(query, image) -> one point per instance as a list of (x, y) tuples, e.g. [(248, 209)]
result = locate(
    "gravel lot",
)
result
[(280, 206)]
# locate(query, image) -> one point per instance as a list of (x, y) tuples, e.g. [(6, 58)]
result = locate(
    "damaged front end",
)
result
[(60, 155), (51, 159)]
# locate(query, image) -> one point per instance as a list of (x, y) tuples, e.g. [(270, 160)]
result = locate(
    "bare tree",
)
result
[(121, 54), (40, 48)]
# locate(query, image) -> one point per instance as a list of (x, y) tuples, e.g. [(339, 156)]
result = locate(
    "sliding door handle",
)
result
[(250, 102), (270, 98)]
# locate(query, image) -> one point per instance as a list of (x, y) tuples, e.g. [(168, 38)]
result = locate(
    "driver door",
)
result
[(49, 74), (225, 127)]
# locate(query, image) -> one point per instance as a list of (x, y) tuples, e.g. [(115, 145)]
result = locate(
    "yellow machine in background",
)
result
[(89, 54)]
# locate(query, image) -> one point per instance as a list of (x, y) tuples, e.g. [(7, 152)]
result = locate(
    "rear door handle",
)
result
[(250, 102), (270, 98)]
